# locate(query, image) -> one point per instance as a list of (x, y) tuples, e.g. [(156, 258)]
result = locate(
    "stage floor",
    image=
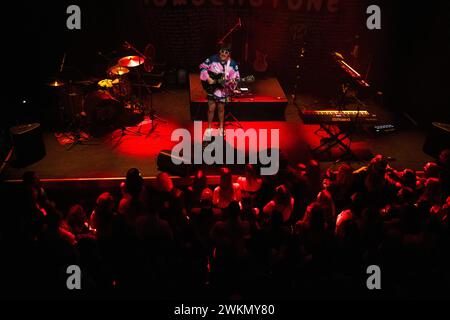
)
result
[(111, 156)]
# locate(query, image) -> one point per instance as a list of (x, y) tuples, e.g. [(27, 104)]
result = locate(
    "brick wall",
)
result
[(185, 35)]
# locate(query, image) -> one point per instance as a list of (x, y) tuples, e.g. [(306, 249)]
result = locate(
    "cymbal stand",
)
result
[(74, 130), (151, 112), (77, 135), (125, 131)]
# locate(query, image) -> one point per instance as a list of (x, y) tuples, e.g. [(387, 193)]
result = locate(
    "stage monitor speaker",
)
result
[(437, 139), (28, 144), (165, 164)]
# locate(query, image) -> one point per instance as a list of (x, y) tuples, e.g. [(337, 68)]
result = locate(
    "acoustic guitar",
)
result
[(221, 82)]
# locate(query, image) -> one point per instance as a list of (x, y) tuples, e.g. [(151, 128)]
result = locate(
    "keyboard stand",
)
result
[(333, 139)]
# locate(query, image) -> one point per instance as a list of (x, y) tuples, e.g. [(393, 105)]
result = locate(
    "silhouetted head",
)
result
[(344, 175), (316, 216), (431, 170), (234, 210), (324, 197), (104, 209), (200, 181), (379, 163), (206, 199), (30, 179), (76, 217), (164, 182), (251, 172), (358, 202), (444, 158), (53, 218), (105, 202), (433, 190), (134, 182), (226, 179), (409, 178), (282, 195)]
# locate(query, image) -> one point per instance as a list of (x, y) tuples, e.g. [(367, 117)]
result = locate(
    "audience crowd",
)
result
[(299, 234)]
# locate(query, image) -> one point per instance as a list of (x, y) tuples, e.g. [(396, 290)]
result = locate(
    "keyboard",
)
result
[(335, 116)]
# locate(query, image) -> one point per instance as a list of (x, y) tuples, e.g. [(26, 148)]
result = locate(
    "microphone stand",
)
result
[(221, 42), (71, 124), (130, 46), (237, 25)]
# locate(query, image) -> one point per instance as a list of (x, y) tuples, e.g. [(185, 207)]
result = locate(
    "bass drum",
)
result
[(102, 112)]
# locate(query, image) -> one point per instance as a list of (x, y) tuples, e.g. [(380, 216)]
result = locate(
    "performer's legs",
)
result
[(211, 109), (221, 106)]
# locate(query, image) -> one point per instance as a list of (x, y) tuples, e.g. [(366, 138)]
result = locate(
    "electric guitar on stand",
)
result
[(260, 64)]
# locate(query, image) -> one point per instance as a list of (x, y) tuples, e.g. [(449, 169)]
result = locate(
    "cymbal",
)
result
[(443, 126), (118, 70), (55, 83), (131, 61), (87, 82)]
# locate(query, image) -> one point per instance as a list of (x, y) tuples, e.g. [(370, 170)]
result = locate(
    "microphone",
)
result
[(239, 24)]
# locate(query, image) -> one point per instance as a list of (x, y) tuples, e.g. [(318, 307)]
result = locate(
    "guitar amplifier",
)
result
[(28, 144)]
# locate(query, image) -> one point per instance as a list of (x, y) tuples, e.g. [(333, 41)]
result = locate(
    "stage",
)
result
[(110, 156)]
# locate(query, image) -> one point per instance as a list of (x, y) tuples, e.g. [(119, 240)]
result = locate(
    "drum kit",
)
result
[(104, 101)]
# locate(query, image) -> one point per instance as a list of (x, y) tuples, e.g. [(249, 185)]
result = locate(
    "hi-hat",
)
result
[(118, 70), (87, 82), (131, 61)]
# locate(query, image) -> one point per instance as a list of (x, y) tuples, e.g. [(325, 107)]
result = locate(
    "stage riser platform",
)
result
[(243, 111), (266, 101)]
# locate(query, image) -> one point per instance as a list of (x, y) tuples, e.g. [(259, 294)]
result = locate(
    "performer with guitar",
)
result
[(219, 75)]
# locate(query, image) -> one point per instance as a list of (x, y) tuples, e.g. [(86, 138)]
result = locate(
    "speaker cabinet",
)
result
[(165, 164), (28, 144), (438, 139)]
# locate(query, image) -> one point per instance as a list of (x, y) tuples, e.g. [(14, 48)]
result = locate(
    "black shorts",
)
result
[(212, 97)]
